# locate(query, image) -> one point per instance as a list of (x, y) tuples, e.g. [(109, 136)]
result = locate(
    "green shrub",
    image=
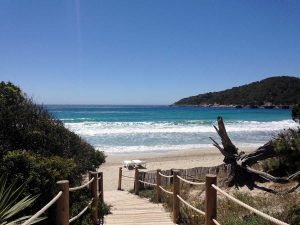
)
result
[(287, 145), (36, 147), (26, 125)]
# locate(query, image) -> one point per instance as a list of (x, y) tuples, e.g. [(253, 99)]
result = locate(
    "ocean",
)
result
[(126, 129)]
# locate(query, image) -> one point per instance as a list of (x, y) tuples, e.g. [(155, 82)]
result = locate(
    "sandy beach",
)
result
[(180, 159)]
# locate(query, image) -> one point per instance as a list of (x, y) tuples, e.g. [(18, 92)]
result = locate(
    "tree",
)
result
[(285, 147)]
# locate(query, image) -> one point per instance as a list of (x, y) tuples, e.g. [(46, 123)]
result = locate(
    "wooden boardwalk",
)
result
[(131, 209)]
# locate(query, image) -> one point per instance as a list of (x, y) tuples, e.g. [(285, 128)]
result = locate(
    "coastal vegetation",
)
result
[(284, 207), (11, 205), (37, 150), (280, 91)]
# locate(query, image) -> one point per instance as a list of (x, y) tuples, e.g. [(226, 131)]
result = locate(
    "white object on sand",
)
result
[(139, 163), (134, 163), (128, 163)]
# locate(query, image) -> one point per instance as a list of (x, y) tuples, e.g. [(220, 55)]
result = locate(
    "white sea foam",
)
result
[(105, 128), (122, 137)]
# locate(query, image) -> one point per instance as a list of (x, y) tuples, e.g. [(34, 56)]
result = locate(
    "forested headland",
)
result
[(282, 91)]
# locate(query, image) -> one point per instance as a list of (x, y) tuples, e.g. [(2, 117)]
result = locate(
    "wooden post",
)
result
[(94, 193), (158, 183), (142, 185), (120, 179), (176, 191), (171, 179), (100, 186), (210, 199), (62, 204), (90, 177), (136, 182)]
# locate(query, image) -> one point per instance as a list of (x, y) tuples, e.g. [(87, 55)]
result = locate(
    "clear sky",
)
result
[(144, 51)]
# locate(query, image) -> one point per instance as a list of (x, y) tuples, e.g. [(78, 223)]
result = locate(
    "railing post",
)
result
[(90, 177), (100, 187), (136, 182), (120, 179), (158, 183), (94, 193), (210, 199), (176, 191), (62, 204), (171, 178)]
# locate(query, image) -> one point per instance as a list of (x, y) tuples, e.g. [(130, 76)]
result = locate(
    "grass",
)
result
[(283, 207)]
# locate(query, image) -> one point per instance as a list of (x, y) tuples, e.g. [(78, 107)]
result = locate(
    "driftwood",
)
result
[(241, 173)]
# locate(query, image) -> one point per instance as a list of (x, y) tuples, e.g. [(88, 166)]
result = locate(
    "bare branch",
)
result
[(226, 142), (269, 177)]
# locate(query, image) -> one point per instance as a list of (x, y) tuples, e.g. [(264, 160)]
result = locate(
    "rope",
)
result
[(266, 216), (83, 211), (187, 204), (216, 222), (127, 176), (168, 192), (131, 179), (35, 216), (82, 186), (164, 175), (190, 182), (144, 182)]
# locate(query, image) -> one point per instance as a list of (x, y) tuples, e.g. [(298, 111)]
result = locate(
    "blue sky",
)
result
[(144, 51)]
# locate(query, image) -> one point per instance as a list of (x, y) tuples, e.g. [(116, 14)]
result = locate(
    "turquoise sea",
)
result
[(122, 129)]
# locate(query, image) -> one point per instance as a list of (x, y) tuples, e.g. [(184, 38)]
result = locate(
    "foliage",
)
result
[(296, 113), (104, 209), (37, 148), (282, 90), (283, 207), (26, 125), (11, 205), (148, 193), (287, 145)]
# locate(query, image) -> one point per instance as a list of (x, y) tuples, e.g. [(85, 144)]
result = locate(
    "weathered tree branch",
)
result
[(241, 162)]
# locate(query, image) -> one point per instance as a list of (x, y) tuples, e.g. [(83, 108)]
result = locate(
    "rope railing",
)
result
[(211, 190), (216, 222), (164, 190), (81, 213), (190, 206), (42, 210), (144, 182), (128, 177), (82, 186), (264, 215), (166, 176), (190, 182), (62, 200)]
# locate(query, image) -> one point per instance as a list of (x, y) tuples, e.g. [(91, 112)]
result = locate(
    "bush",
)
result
[(37, 148), (26, 125), (287, 145)]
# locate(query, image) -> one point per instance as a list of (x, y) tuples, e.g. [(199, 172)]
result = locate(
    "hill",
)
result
[(272, 91)]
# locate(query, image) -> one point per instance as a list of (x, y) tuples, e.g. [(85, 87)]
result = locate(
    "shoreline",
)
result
[(179, 159), (233, 106)]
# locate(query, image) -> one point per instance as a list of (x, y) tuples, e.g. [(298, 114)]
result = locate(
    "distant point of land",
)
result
[(272, 92)]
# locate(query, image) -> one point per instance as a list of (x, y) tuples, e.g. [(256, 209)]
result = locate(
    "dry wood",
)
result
[(241, 172), (62, 204)]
